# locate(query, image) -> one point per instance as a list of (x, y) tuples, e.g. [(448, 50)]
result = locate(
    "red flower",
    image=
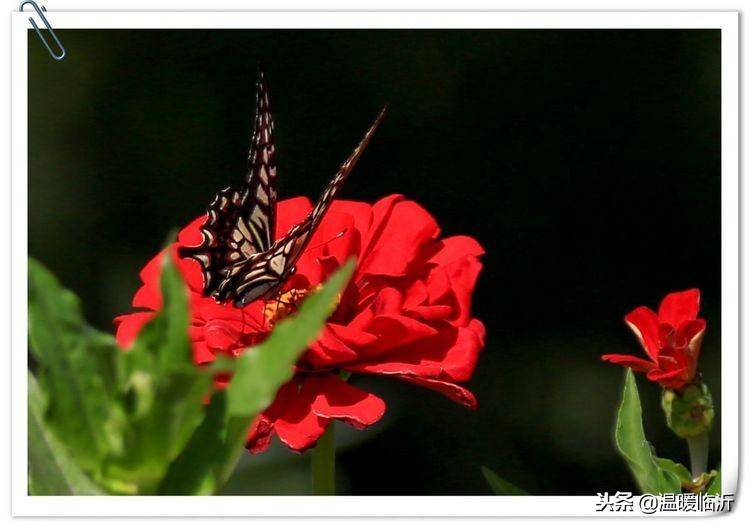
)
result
[(672, 340), (405, 314)]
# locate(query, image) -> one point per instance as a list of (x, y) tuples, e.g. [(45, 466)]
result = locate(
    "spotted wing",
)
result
[(268, 270), (240, 223)]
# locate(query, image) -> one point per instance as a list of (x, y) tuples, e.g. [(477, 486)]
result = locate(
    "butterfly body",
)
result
[(240, 259)]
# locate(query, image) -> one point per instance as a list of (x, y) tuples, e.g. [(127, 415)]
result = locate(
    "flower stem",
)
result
[(698, 447), (324, 464)]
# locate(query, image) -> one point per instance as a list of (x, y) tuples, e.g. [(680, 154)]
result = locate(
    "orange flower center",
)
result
[(287, 303), (283, 305)]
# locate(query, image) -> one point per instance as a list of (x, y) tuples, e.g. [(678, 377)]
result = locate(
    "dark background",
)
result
[(586, 162)]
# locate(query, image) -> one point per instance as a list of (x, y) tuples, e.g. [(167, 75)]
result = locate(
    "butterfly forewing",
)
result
[(240, 223), (294, 242), (260, 183)]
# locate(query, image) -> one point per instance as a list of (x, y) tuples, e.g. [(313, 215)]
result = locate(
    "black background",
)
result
[(586, 162)]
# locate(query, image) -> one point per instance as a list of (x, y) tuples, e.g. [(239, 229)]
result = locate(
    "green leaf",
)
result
[(714, 488), (51, 470), (260, 371), (76, 369), (632, 444), (675, 468), (165, 392), (194, 471), (500, 486), (212, 453)]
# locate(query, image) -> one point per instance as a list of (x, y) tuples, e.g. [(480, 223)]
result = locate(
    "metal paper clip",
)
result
[(39, 12)]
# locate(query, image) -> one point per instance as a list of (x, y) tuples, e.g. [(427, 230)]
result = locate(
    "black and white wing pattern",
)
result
[(265, 272), (260, 184), (241, 222)]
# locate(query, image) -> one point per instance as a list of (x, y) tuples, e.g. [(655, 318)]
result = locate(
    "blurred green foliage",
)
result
[(500, 486), (134, 421)]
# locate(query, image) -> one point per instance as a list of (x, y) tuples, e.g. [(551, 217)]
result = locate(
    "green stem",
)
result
[(324, 464), (698, 447)]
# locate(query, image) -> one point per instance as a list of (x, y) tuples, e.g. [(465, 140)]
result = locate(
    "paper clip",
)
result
[(39, 12)]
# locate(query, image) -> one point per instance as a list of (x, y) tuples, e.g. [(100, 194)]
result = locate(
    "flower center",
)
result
[(285, 304)]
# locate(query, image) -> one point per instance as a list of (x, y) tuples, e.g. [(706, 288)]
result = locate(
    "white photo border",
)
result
[(461, 506)]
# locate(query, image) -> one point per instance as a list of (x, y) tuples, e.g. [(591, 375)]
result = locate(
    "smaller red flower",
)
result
[(671, 339)]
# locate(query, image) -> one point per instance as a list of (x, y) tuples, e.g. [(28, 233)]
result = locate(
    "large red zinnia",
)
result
[(671, 339), (406, 313)]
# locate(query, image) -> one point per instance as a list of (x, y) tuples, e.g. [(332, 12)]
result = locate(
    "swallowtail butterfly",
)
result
[(239, 257)]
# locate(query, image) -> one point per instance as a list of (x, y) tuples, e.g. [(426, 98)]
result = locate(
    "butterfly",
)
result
[(240, 259)]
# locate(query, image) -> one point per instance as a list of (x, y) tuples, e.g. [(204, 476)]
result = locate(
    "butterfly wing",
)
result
[(260, 184), (268, 270), (240, 223)]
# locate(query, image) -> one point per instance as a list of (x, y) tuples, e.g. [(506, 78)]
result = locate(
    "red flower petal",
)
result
[(359, 212), (149, 295), (221, 335), (338, 344), (463, 274), (645, 325), (191, 271), (449, 354), (191, 235), (416, 294), (333, 242), (395, 331), (329, 350), (202, 354), (352, 337), (379, 214), (635, 363), (451, 390), (403, 229), (290, 213), (688, 330), (680, 306), (296, 425), (388, 302), (439, 288), (129, 325), (673, 379), (337, 399), (454, 248), (336, 237), (674, 358), (207, 309), (259, 435)]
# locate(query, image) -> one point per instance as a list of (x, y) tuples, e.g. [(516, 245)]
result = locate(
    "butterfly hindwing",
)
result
[(224, 243)]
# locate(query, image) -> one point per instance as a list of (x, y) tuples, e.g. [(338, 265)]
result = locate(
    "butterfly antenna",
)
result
[(342, 233)]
